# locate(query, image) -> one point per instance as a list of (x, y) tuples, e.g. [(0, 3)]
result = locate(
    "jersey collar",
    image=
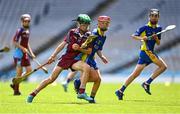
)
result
[(99, 31), (150, 25)]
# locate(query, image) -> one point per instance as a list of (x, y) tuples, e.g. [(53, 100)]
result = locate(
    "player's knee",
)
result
[(50, 80), (135, 74), (164, 67), (86, 68), (29, 70)]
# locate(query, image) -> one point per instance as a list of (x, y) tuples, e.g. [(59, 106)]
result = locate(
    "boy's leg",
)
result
[(57, 70), (138, 69), (20, 63), (15, 87), (77, 83), (95, 77), (68, 79), (161, 68), (84, 68)]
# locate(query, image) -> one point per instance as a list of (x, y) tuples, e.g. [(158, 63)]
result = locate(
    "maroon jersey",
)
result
[(22, 36), (73, 36)]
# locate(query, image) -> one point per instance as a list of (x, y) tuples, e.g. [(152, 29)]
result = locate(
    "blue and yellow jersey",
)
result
[(147, 30), (96, 44)]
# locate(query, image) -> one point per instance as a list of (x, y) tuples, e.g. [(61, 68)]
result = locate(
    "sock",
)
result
[(68, 80), (16, 88), (123, 88), (81, 90), (149, 81), (92, 97), (34, 93), (93, 94)]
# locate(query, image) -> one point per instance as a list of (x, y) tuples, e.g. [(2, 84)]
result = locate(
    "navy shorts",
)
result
[(145, 58)]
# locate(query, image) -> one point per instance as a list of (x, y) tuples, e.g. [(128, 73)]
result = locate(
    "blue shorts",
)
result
[(92, 63), (18, 53), (144, 58)]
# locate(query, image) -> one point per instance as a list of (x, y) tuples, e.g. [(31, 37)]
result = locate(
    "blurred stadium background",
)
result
[(51, 20)]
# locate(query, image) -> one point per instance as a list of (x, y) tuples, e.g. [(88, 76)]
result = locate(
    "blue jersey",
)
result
[(147, 30), (147, 54), (97, 45)]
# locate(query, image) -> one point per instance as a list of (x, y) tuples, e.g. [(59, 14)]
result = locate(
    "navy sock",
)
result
[(68, 80), (123, 88), (92, 97), (149, 81), (93, 94)]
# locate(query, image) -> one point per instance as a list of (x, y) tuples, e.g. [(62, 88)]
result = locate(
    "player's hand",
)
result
[(154, 36), (51, 59), (144, 38), (25, 50), (104, 59), (75, 46)]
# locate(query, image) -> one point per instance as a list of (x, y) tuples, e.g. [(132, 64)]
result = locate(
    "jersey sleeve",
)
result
[(17, 35), (101, 46), (67, 37), (94, 32), (139, 31)]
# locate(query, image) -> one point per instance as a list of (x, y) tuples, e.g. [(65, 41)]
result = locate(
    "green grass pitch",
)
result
[(164, 99)]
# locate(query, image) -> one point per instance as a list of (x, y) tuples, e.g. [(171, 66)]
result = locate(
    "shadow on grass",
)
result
[(140, 100), (76, 103)]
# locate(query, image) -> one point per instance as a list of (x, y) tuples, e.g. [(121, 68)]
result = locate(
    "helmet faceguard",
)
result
[(25, 18), (103, 19), (155, 13)]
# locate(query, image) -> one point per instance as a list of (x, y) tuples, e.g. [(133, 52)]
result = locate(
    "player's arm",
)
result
[(155, 37), (57, 50), (30, 51), (76, 47), (139, 37), (138, 34), (85, 51), (102, 57), (19, 46), (16, 43)]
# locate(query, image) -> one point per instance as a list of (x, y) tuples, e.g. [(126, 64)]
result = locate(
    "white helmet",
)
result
[(25, 17)]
